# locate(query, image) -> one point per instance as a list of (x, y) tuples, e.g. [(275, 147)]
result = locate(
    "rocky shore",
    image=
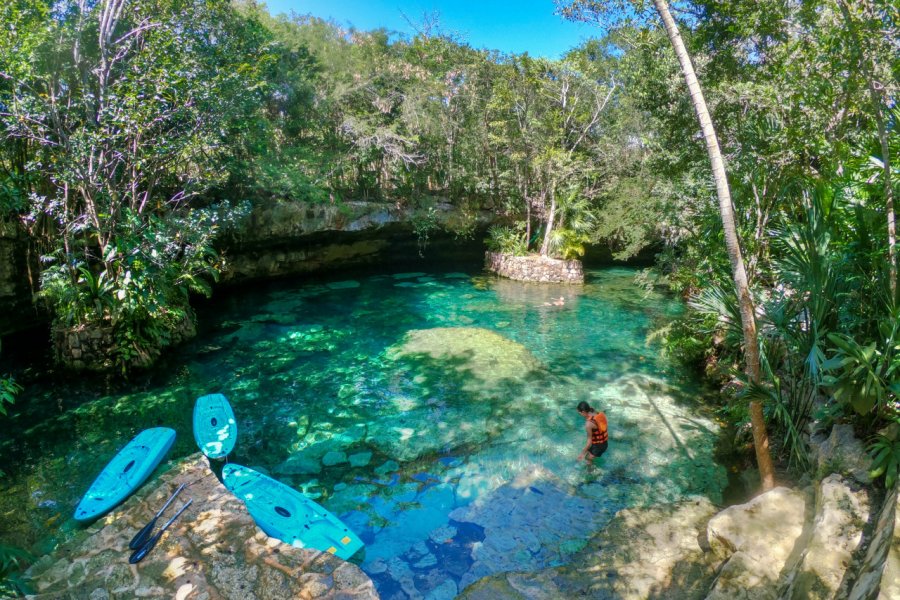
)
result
[(213, 551)]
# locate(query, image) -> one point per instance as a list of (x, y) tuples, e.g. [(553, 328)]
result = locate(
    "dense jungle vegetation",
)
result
[(134, 132)]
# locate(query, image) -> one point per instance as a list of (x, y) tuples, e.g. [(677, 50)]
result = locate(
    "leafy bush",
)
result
[(8, 390), (508, 240), (142, 287), (885, 452), (866, 376), (568, 244)]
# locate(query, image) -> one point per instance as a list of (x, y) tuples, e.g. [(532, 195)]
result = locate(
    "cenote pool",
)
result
[(433, 412)]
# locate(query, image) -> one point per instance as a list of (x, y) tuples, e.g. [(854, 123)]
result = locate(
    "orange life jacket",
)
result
[(599, 435)]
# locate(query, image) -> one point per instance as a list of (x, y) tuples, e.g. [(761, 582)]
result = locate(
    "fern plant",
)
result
[(8, 390), (885, 452)]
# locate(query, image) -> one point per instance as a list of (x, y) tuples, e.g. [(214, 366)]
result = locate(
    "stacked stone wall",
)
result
[(84, 348), (535, 268)]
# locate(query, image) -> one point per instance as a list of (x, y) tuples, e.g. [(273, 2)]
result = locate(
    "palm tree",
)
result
[(598, 11), (732, 244)]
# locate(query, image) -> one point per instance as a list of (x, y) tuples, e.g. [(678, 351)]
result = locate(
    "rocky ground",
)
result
[(213, 551), (825, 541)]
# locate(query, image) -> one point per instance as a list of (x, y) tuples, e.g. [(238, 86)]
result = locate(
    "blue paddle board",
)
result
[(215, 429), (285, 514), (125, 472)]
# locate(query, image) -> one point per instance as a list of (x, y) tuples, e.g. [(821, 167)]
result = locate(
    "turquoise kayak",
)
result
[(125, 472), (215, 429), (285, 514)]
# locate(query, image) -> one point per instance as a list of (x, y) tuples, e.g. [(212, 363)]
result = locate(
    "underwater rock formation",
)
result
[(643, 553), (479, 354)]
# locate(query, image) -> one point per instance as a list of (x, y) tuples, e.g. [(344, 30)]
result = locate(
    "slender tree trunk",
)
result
[(545, 247), (527, 223), (726, 209)]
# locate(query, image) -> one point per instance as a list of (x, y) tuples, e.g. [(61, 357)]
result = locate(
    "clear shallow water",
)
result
[(433, 412)]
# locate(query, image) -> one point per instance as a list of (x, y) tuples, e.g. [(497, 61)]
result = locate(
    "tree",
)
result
[(863, 47), (126, 112), (593, 10)]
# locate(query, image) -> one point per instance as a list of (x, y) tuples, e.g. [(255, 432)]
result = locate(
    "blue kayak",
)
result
[(215, 429), (285, 514), (125, 472)]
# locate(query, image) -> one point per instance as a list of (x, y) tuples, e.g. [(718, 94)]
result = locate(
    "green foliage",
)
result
[(885, 452), (8, 391), (508, 240), (866, 376), (424, 223), (567, 243), (152, 95), (682, 341)]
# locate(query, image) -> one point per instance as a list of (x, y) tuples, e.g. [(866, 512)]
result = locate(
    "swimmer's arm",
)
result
[(588, 426)]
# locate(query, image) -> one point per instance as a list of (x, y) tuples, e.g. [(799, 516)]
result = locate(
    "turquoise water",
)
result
[(433, 412)]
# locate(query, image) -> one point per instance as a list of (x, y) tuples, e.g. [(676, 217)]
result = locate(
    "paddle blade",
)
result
[(140, 538), (139, 554)]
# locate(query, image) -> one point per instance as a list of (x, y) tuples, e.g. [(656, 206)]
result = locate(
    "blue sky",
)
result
[(505, 25)]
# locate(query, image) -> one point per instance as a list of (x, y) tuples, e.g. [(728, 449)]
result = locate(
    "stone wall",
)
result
[(84, 348), (535, 268)]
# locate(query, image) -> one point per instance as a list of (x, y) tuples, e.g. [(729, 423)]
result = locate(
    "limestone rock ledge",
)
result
[(213, 551), (760, 540), (841, 514)]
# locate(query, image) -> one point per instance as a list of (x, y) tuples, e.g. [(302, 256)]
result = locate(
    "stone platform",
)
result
[(534, 268)]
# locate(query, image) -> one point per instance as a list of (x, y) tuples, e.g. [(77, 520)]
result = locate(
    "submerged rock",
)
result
[(642, 553), (481, 355), (214, 550), (529, 524)]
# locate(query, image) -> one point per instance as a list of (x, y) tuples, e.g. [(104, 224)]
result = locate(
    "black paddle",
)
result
[(139, 554), (140, 538)]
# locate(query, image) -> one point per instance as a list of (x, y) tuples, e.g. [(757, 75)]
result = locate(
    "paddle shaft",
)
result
[(144, 550), (169, 501), (140, 538)]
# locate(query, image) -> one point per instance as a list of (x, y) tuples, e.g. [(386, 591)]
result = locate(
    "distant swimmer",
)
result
[(561, 301), (597, 433)]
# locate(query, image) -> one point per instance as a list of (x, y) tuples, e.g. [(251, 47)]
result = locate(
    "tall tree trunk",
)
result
[(545, 247), (726, 209)]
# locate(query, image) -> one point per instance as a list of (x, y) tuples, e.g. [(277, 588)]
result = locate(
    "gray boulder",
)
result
[(841, 514), (759, 540), (842, 452)]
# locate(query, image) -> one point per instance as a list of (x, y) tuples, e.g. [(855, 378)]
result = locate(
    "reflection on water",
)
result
[(433, 412)]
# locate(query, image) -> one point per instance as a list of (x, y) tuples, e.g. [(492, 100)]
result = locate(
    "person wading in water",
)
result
[(597, 435)]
